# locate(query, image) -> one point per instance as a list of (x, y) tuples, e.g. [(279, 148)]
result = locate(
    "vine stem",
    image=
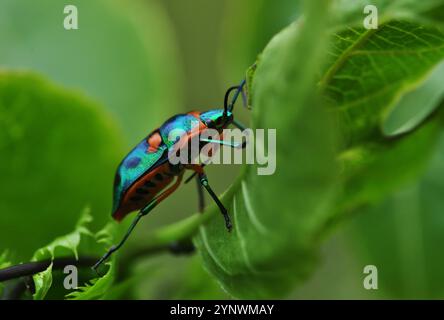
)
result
[(31, 268)]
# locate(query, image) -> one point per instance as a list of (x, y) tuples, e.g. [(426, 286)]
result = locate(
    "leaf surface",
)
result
[(59, 152)]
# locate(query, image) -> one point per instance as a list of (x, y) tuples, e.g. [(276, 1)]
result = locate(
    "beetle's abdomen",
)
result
[(144, 190)]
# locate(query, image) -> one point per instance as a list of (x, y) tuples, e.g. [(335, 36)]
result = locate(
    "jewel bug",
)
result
[(146, 177)]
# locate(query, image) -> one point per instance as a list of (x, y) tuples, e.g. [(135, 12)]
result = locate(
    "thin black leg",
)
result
[(117, 247), (114, 248), (235, 145), (200, 196), (204, 181), (239, 125), (194, 174)]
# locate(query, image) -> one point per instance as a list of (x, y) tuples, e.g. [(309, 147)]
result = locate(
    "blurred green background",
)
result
[(137, 63)]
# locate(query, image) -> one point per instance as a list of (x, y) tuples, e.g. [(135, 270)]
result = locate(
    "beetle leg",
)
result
[(150, 206), (170, 190), (200, 195), (236, 145), (239, 125), (204, 181), (125, 237)]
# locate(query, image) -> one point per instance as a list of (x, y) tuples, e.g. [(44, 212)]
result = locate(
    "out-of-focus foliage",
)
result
[(122, 55), (80, 242), (399, 236), (368, 76), (59, 152), (403, 236), (247, 28), (426, 12), (375, 169), (4, 263), (167, 277)]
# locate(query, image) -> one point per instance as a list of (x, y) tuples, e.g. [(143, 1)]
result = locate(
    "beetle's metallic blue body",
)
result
[(148, 161)]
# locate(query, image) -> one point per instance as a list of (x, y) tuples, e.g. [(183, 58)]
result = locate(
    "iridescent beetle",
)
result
[(145, 176)]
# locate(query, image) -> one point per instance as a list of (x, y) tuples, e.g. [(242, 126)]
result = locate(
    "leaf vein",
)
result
[(250, 212)]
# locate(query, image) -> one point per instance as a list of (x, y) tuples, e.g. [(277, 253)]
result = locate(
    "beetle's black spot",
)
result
[(158, 177), (136, 198), (132, 162), (149, 184), (141, 191), (169, 174)]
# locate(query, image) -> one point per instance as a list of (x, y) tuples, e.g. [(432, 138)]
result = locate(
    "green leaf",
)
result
[(369, 70), (61, 247), (81, 241), (417, 104), (69, 242), (117, 56), (4, 263), (98, 287), (384, 85), (377, 83), (403, 236), (60, 152), (430, 12), (273, 244), (374, 170), (42, 283), (367, 76)]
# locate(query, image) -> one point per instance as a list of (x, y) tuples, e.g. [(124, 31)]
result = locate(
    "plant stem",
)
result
[(31, 268)]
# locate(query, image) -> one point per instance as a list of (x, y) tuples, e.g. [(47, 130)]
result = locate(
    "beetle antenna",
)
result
[(229, 107), (227, 95), (240, 89)]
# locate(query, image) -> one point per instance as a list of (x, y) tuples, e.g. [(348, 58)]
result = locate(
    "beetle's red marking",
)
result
[(196, 114), (154, 142)]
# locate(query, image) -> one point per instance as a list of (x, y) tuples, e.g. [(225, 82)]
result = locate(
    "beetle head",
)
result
[(217, 118)]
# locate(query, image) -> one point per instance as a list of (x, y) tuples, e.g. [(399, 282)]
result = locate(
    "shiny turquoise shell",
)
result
[(141, 160), (134, 166), (179, 123)]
